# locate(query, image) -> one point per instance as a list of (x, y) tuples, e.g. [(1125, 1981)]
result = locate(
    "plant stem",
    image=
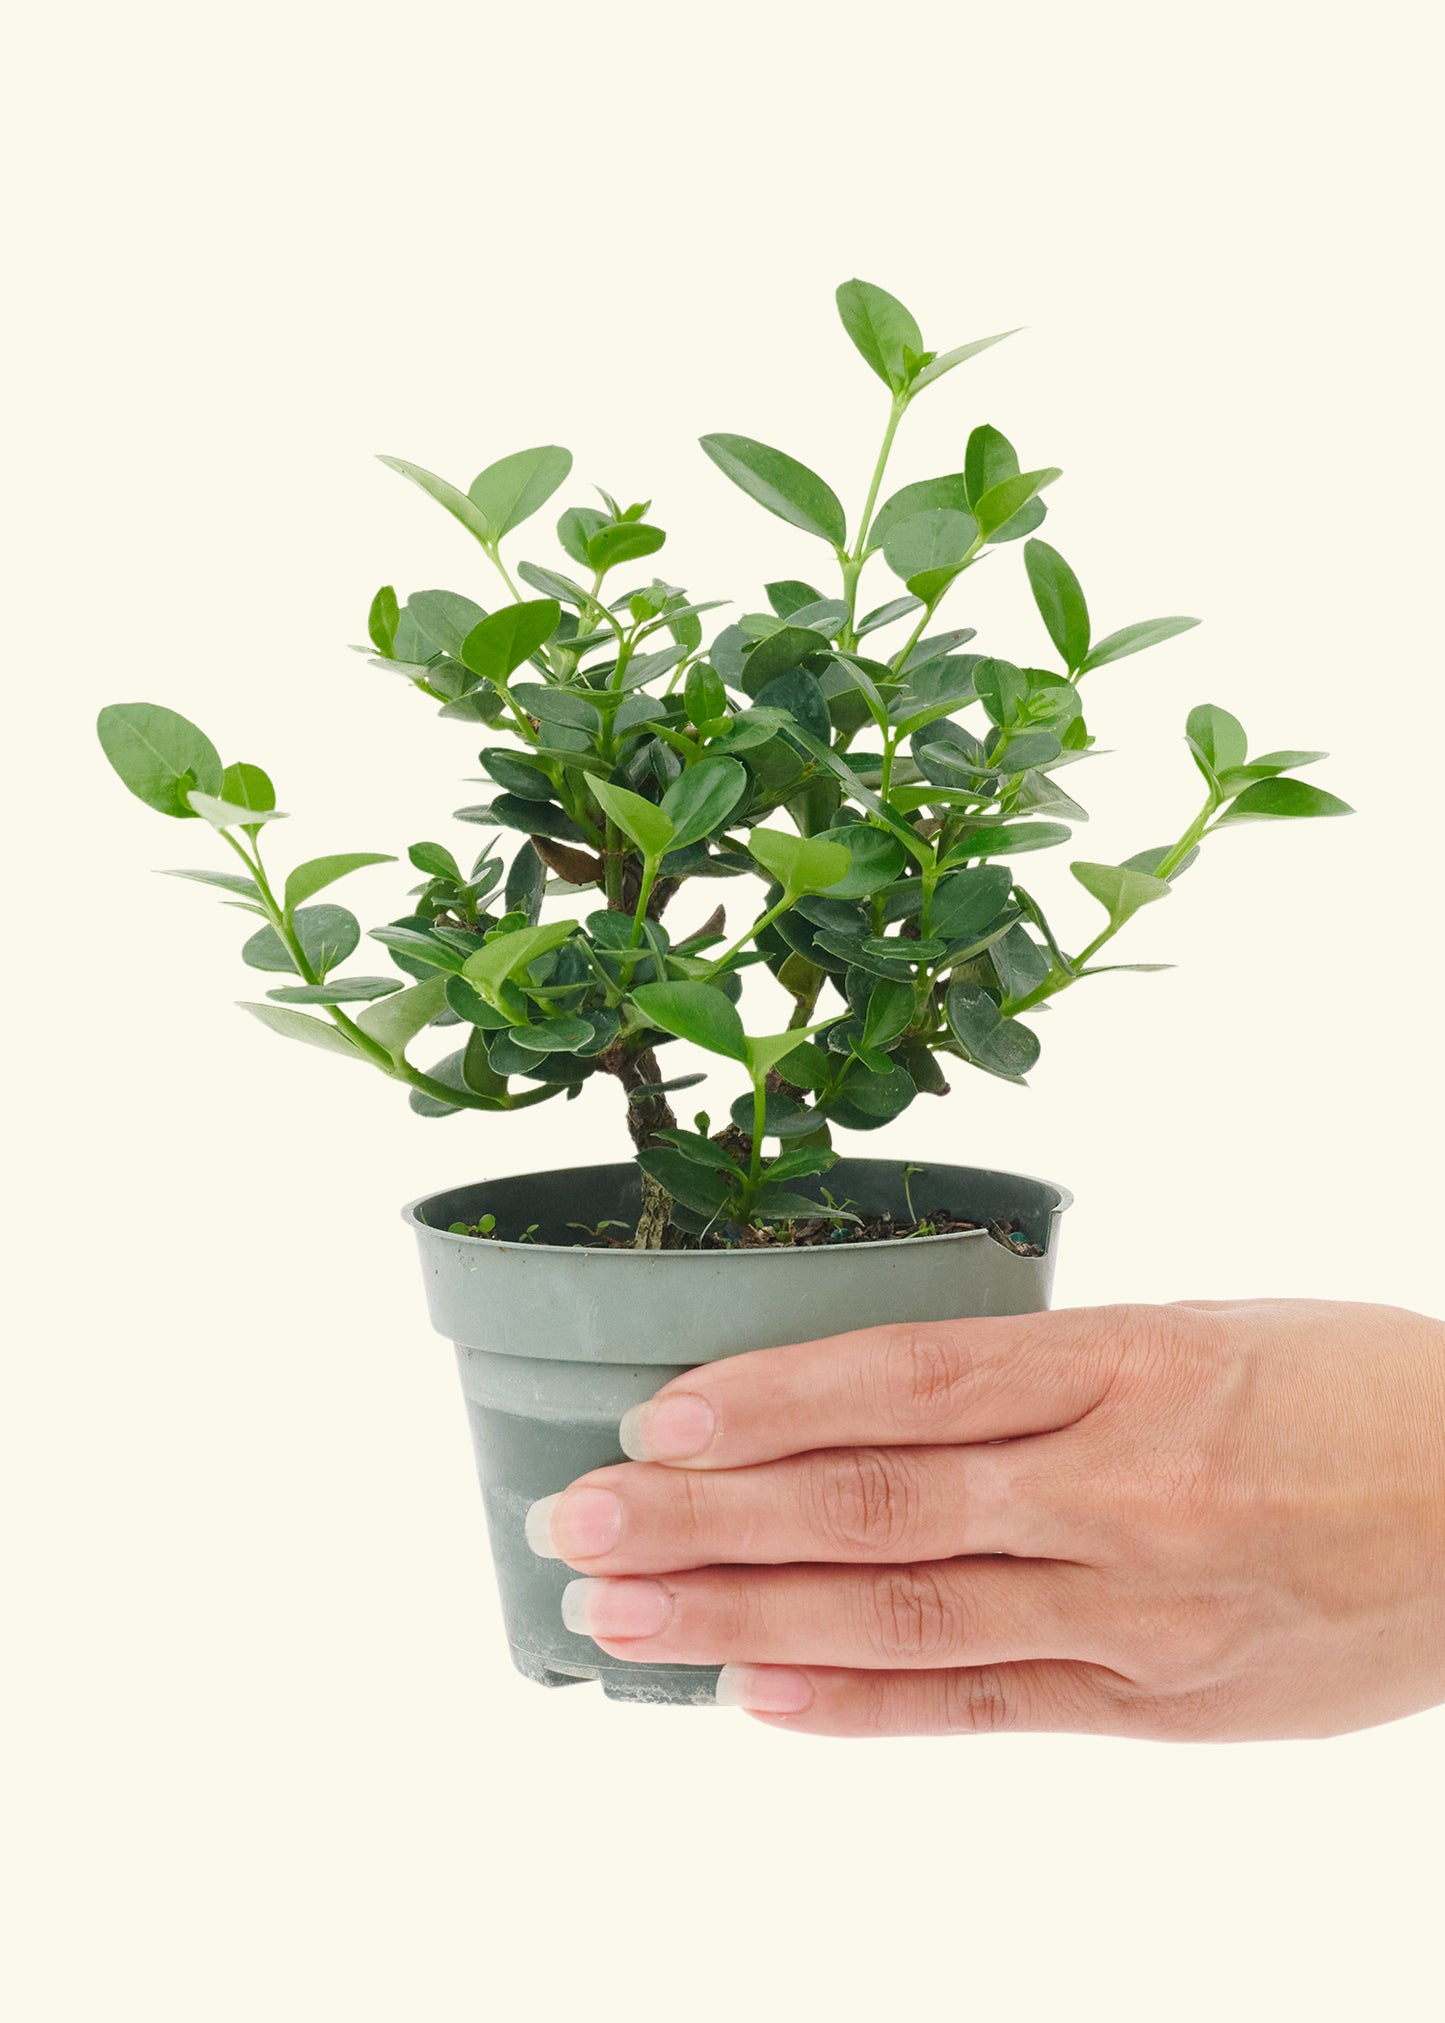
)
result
[(760, 1120), (854, 560), (766, 920)]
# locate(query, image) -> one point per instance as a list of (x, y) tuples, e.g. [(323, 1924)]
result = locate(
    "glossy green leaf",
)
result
[(1120, 889), (705, 1193), (446, 494), (1134, 639), (159, 755), (508, 955), (576, 528), (341, 990), (947, 494), (799, 863), (496, 648), (947, 360), (1283, 800), (999, 504), (225, 881), (1002, 1046), (936, 539), (512, 489), (228, 814), (640, 820), (628, 542), (245, 786), (1219, 736), (435, 860), (1060, 599), (781, 484), (701, 800), (294, 1025), (327, 934), (875, 859), (966, 901), (394, 1022), (866, 1102), (789, 595), (695, 1012), (882, 330), (1006, 839), (888, 614), (381, 620), (318, 872)]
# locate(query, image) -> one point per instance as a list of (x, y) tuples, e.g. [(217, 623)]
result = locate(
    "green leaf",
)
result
[(566, 1034), (497, 647), (1002, 1046), (988, 459), (627, 542), (394, 1022), (442, 619), (700, 801), (641, 820), (381, 620), (1120, 889), (1219, 736), (552, 583), (436, 861), (419, 944), (936, 539), (294, 1025), (781, 484), (248, 787), (576, 528), (881, 329), (806, 1159), (1134, 639), (799, 863), (888, 614), (226, 881), (550, 704), (511, 490), (946, 494), (947, 360), (789, 595), (865, 1101), (889, 1014), (1282, 800), (1000, 502), (228, 815), (875, 859), (457, 503), (318, 872), (341, 990), (526, 883), (506, 955), (159, 755), (695, 1012), (967, 901), (704, 693), (705, 1193), (1006, 839), (1060, 600), (327, 934)]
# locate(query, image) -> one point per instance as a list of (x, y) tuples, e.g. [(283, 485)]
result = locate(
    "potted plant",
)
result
[(880, 777)]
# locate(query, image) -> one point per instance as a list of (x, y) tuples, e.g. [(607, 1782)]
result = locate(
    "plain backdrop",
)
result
[(266, 1757)]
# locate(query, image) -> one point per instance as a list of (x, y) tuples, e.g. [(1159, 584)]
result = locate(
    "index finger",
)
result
[(920, 1384)]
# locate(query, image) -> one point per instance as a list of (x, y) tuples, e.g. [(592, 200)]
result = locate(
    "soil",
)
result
[(795, 1235)]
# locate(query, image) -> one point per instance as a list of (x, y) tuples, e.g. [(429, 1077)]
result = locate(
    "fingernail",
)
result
[(764, 1689), (574, 1524), (618, 1609), (668, 1429)]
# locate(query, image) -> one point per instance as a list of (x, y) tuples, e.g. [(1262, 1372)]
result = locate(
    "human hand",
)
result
[(1194, 1522)]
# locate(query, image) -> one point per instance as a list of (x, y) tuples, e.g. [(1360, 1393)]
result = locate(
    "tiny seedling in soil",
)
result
[(881, 776)]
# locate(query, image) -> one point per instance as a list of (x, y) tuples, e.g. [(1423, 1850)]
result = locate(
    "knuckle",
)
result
[(981, 1701), (861, 1500), (912, 1620), (922, 1375)]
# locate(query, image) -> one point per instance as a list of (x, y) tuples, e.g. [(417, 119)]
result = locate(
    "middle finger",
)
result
[(851, 1506)]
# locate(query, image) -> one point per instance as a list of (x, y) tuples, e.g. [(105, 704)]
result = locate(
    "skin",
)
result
[(1202, 1522)]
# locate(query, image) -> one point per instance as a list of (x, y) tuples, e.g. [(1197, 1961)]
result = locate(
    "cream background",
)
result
[(266, 1756)]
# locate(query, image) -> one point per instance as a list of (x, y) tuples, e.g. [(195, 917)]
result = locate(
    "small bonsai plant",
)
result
[(881, 779)]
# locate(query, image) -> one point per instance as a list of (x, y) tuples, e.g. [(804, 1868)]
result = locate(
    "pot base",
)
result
[(653, 1685)]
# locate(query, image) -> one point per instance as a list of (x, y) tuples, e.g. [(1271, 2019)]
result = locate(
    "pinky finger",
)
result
[(1050, 1696)]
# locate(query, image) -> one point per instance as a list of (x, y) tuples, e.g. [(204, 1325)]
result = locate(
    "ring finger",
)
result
[(944, 1613)]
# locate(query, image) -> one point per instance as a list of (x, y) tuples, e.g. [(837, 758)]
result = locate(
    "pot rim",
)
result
[(411, 1214)]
